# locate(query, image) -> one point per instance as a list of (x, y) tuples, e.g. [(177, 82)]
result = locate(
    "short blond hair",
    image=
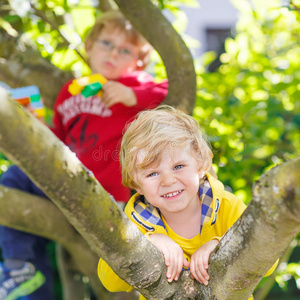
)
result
[(115, 20), (156, 131)]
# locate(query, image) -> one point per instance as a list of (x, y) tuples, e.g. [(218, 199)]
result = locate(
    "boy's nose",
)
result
[(167, 179), (114, 51)]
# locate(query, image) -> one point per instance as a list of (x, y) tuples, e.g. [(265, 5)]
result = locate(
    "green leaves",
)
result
[(251, 104)]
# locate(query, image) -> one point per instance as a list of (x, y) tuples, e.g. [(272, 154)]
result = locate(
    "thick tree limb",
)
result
[(244, 255), (176, 56), (260, 236), (106, 5), (22, 65)]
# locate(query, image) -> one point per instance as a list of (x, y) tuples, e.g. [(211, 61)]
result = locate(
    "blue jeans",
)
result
[(20, 245)]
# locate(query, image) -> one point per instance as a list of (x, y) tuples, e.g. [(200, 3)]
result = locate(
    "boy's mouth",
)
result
[(109, 64), (169, 195)]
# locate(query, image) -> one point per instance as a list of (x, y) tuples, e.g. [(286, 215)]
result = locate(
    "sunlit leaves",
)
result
[(57, 28), (255, 95)]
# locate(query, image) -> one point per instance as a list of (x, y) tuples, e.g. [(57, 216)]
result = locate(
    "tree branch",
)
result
[(77, 193), (23, 65), (260, 236), (106, 5)]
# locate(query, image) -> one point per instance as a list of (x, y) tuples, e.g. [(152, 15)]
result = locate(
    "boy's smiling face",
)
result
[(172, 185), (112, 55)]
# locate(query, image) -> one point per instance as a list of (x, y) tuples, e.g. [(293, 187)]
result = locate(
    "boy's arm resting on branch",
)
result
[(172, 252), (199, 261), (111, 281)]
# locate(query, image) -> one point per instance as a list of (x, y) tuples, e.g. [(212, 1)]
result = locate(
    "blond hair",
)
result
[(156, 131), (115, 20)]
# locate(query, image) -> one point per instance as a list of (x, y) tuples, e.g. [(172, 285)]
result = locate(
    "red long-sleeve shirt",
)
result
[(94, 131)]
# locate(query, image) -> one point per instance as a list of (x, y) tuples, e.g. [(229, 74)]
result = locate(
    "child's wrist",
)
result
[(148, 234)]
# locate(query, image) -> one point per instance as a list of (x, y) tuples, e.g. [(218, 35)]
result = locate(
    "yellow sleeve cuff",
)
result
[(110, 279)]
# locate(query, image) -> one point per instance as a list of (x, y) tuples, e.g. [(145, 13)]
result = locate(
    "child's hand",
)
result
[(173, 254), (199, 262), (115, 92)]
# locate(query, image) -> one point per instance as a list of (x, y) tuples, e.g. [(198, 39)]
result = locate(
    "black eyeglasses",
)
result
[(124, 53)]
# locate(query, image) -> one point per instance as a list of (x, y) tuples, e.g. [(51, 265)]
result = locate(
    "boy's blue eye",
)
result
[(152, 174), (124, 51), (105, 43), (178, 167)]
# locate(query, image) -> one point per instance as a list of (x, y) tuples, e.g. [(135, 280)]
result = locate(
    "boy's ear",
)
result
[(201, 172), (140, 65), (139, 190)]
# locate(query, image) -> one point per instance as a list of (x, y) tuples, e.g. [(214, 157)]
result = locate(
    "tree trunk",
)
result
[(243, 256)]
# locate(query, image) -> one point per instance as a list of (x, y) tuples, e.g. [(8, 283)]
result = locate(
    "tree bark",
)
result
[(21, 65), (264, 231), (243, 256)]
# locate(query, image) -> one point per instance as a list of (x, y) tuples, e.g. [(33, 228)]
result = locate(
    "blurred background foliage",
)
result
[(248, 103)]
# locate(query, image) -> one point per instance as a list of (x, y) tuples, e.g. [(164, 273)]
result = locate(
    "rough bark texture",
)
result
[(265, 230), (22, 65), (170, 46), (244, 255)]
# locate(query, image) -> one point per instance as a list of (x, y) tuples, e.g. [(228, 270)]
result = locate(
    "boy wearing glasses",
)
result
[(92, 127)]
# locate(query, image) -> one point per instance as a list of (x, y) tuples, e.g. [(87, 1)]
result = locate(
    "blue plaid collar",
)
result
[(206, 197), (147, 212)]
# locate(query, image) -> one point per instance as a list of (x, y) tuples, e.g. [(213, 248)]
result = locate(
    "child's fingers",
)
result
[(171, 271), (175, 267), (180, 264), (199, 271), (196, 274)]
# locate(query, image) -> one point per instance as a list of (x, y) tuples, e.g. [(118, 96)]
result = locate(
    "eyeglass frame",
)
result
[(109, 46)]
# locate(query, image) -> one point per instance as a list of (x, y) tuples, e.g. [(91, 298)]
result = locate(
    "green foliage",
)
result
[(4, 164), (250, 106), (56, 28)]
